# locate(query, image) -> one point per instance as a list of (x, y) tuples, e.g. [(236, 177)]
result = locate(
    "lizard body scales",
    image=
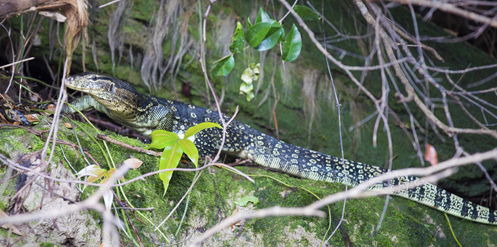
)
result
[(143, 113)]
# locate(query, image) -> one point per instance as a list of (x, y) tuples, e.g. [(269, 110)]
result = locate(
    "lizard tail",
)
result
[(270, 152)]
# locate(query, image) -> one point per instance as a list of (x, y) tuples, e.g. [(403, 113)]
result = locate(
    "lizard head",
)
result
[(114, 94), (93, 84)]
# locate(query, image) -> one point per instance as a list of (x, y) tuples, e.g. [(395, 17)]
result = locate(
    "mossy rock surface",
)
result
[(215, 195)]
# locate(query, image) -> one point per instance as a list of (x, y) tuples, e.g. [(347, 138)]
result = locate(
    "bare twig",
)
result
[(55, 126), (125, 145), (261, 213), (17, 62), (179, 202), (411, 94), (451, 8), (338, 105), (109, 3)]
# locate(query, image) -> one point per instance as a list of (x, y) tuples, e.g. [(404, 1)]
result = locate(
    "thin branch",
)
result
[(411, 94), (142, 177), (17, 62), (463, 71), (179, 202), (261, 213), (451, 8), (109, 3), (125, 145)]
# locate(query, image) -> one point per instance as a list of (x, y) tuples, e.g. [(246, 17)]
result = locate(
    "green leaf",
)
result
[(201, 126), (244, 200), (190, 150), (255, 67), (224, 66), (170, 159), (262, 17), (292, 45), (247, 76), (108, 174), (160, 138), (256, 33), (272, 37), (249, 24), (238, 39), (306, 13), (250, 96), (246, 88), (99, 173)]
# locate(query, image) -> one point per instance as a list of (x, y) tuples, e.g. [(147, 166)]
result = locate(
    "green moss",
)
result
[(213, 196), (47, 245)]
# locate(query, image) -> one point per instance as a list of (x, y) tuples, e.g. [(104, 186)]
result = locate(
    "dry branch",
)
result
[(451, 8)]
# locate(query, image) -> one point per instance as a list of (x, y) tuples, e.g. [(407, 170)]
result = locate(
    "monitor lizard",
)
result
[(144, 113)]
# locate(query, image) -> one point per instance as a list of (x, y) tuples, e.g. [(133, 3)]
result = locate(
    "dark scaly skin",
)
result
[(143, 113)]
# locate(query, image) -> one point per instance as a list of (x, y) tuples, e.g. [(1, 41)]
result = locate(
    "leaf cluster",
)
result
[(173, 148), (263, 35)]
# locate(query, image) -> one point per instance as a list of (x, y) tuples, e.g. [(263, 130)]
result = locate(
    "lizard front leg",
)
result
[(84, 103)]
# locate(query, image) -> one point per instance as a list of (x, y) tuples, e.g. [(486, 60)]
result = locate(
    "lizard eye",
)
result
[(93, 78)]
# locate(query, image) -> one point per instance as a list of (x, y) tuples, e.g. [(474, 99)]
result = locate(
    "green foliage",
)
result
[(201, 126), (265, 32), (189, 149), (262, 16), (249, 75), (237, 41), (292, 45), (173, 148), (256, 34), (306, 13), (263, 35), (224, 66), (169, 160), (162, 138), (275, 34), (245, 200)]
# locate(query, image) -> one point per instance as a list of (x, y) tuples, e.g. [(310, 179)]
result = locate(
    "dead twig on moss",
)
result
[(125, 145)]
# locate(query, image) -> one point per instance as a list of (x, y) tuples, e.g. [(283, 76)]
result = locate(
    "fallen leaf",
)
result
[(32, 118), (6, 101), (68, 125), (133, 163), (51, 108), (431, 154), (93, 171)]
